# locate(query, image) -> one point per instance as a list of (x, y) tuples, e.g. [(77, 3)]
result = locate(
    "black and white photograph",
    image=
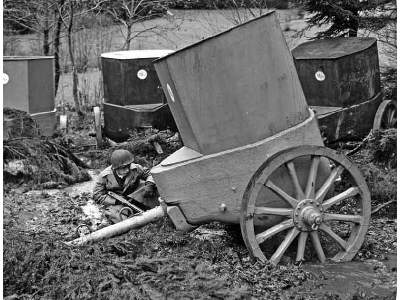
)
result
[(199, 149)]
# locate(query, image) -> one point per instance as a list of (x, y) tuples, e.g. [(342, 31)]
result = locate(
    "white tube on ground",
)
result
[(121, 227)]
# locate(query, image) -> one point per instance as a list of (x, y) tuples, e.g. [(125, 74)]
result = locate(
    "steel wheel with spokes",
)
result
[(301, 194)]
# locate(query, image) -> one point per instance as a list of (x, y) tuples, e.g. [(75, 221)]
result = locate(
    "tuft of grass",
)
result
[(377, 162), (383, 147)]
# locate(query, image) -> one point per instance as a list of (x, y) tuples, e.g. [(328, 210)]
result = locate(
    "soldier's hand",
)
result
[(149, 190), (108, 201)]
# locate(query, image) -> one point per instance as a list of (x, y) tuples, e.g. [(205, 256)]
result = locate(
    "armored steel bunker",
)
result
[(253, 153), (341, 81), (133, 97)]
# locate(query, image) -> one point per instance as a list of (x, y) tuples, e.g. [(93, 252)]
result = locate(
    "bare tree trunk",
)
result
[(57, 43), (128, 38), (71, 55), (46, 31), (353, 28), (46, 44)]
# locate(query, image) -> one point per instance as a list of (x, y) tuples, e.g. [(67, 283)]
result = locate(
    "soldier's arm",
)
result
[(100, 193)]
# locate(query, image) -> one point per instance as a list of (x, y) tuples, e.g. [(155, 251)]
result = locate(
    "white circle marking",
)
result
[(142, 74), (6, 78), (319, 75)]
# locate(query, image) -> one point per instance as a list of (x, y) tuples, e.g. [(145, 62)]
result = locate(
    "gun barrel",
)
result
[(121, 227), (124, 201)]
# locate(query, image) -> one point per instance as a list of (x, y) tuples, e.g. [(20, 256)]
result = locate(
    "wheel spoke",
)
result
[(276, 257), (301, 246), (273, 211), (261, 237), (391, 118), (333, 235), (345, 218), (277, 190), (328, 183), (295, 180), (310, 188), (317, 246), (344, 195), (308, 210)]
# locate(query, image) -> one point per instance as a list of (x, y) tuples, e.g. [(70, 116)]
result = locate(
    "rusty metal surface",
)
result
[(350, 70), (235, 88)]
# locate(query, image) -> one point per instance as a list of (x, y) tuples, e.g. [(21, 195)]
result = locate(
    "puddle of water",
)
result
[(83, 187), (371, 278)]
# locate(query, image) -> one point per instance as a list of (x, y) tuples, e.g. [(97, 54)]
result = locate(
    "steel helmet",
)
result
[(121, 158)]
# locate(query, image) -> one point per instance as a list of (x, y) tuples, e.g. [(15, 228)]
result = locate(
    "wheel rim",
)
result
[(386, 116), (313, 208)]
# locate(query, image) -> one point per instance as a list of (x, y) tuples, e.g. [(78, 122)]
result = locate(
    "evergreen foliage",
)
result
[(346, 17)]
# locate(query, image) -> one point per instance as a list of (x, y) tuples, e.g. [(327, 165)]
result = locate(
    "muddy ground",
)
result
[(158, 262)]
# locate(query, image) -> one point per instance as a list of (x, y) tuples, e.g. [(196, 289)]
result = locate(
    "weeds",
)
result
[(383, 147), (377, 162)]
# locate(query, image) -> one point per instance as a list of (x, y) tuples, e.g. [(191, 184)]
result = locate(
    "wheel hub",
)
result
[(307, 215)]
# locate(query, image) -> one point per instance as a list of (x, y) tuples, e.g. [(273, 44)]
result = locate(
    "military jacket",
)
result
[(107, 181)]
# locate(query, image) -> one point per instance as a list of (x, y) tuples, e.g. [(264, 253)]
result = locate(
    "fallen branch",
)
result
[(379, 207), (362, 144), (88, 151)]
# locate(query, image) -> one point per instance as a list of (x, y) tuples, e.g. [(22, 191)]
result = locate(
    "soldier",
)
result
[(124, 177)]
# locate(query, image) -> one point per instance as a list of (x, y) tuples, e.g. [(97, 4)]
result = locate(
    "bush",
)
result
[(382, 146), (377, 162), (389, 83)]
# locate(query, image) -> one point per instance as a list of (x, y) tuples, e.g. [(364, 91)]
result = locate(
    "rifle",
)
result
[(126, 202)]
